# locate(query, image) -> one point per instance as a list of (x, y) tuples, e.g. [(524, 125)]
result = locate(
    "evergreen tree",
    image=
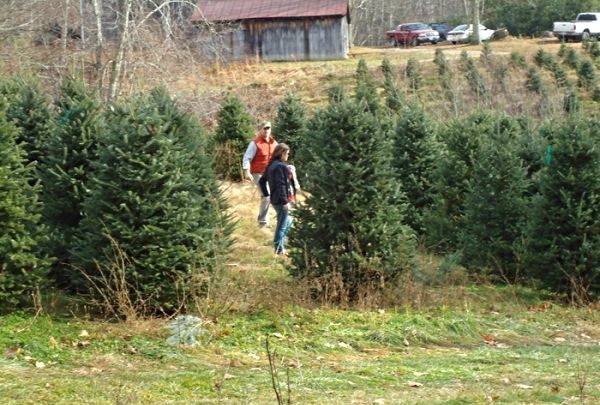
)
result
[(234, 131), (393, 98), (351, 224), (69, 151), (29, 111), (366, 88), (462, 140), (563, 243), (289, 125), (495, 204), (155, 199), (413, 74), (415, 152), (23, 267)]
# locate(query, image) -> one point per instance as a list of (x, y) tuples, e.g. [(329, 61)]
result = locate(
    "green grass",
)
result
[(498, 350)]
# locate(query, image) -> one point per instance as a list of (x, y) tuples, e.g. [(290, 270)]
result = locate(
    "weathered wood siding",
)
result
[(323, 38)]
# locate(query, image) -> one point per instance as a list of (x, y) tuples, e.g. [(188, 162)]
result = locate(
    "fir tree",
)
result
[(351, 224), (65, 169), (289, 125), (461, 144), (393, 98), (366, 88), (495, 205), (155, 198), (29, 111), (415, 152), (23, 267), (413, 74), (234, 131), (563, 243)]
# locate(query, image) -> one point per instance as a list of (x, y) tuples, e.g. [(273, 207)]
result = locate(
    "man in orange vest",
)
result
[(255, 162)]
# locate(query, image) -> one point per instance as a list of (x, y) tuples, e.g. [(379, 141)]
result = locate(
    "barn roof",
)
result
[(230, 10)]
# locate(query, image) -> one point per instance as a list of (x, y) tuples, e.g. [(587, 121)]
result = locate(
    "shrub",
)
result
[(155, 194), (349, 234), (366, 88), (234, 131)]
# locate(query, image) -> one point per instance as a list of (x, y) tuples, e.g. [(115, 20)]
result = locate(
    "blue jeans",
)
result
[(284, 223)]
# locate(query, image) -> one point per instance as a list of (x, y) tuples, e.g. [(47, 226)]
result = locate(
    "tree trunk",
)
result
[(117, 63), (99, 44), (475, 38)]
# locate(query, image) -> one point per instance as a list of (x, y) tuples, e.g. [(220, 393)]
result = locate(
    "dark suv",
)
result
[(442, 29)]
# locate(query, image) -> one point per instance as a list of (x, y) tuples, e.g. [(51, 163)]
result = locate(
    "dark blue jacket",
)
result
[(277, 175)]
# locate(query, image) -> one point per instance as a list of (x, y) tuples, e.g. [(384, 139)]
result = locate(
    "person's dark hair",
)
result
[(279, 150)]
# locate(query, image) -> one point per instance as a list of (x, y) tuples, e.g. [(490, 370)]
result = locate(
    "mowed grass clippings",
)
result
[(438, 356)]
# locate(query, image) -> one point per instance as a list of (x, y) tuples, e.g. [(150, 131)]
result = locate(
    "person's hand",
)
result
[(248, 176), (286, 206)]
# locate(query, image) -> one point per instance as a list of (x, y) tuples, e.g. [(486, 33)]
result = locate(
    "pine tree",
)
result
[(393, 97), (234, 131), (351, 224), (289, 125), (495, 204), (65, 168), (415, 151), (155, 199), (563, 243), (29, 111), (462, 140), (366, 88), (23, 266), (414, 74)]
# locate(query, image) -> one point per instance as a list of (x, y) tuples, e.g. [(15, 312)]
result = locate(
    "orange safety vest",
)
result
[(264, 150)]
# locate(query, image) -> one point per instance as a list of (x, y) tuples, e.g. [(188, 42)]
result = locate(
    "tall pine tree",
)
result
[(563, 237), (351, 224), (23, 267), (155, 199), (289, 125), (234, 131), (65, 169)]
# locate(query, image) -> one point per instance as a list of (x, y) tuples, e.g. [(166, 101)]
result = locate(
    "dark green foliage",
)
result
[(23, 267), (441, 62), (29, 110), (495, 204), (571, 58), (571, 101), (336, 94), (586, 74), (532, 18), (366, 88), (289, 125), (517, 59), (349, 234), (543, 58), (413, 74), (596, 94), (560, 76), (65, 169), (415, 152), (393, 98), (534, 81), (234, 131), (592, 48), (475, 79), (462, 139), (563, 244), (155, 201), (562, 51)]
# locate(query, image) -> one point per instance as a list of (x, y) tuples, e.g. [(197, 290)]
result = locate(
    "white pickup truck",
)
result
[(585, 26)]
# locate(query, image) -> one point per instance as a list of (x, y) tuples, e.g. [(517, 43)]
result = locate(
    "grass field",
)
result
[(451, 344)]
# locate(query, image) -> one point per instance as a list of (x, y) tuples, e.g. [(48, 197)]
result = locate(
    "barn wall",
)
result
[(302, 39)]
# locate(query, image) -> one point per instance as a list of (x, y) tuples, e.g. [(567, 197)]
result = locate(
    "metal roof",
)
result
[(229, 10)]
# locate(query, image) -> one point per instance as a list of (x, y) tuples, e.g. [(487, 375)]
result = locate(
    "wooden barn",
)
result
[(279, 29)]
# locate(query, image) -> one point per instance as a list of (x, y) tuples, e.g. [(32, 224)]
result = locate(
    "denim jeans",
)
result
[(284, 223)]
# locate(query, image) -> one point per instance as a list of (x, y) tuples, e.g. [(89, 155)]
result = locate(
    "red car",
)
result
[(413, 34)]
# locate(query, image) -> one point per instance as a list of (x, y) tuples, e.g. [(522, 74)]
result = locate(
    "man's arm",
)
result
[(248, 156)]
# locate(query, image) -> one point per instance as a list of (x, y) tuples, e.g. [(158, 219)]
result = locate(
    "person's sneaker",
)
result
[(283, 254), (267, 226)]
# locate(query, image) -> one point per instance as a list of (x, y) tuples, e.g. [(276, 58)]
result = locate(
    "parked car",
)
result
[(585, 26), (463, 33), (412, 34), (442, 29)]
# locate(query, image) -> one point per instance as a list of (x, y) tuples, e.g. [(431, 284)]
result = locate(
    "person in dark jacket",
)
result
[(277, 178)]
